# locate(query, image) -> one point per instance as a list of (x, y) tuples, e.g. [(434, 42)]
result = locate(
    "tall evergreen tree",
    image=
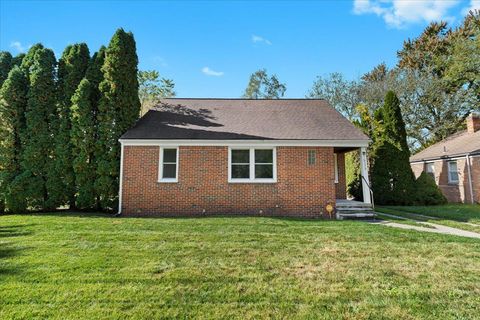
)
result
[(95, 77), (29, 58), (17, 60), (393, 181), (119, 108), (13, 102), (83, 145), (38, 140), (5, 65), (71, 70)]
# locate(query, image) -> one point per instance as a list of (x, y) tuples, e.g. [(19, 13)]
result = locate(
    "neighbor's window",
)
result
[(252, 165), (312, 157), (430, 169), (168, 165), (452, 172)]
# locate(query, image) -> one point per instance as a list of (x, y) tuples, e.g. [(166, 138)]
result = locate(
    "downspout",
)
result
[(470, 184), (120, 187)]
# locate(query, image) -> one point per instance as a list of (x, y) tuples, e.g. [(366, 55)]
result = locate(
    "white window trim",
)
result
[(335, 160), (160, 166), (449, 177), (426, 167), (252, 165)]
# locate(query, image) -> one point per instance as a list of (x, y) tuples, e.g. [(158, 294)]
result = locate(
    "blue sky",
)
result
[(210, 48)]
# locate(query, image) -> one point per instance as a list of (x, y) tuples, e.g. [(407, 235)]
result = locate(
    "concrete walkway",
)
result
[(434, 228)]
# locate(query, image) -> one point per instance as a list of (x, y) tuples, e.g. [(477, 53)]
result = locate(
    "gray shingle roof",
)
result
[(457, 144), (233, 119)]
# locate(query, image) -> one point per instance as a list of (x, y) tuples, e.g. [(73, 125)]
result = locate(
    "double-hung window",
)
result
[(168, 171), (452, 172), (252, 165), (430, 169)]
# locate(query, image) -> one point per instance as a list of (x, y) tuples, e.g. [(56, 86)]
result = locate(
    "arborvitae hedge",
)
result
[(67, 151), (5, 65), (72, 67), (29, 59), (17, 60), (95, 76), (13, 102), (119, 108), (83, 145), (37, 170)]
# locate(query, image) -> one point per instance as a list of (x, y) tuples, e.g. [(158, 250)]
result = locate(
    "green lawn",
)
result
[(98, 267), (456, 212), (463, 216)]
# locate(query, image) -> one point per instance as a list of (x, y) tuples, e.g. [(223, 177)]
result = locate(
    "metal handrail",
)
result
[(370, 190)]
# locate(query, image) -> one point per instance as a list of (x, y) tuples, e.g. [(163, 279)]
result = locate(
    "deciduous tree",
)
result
[(263, 86), (152, 88), (342, 94)]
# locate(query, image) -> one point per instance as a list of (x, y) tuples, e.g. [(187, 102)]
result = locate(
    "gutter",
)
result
[(449, 157), (120, 187)]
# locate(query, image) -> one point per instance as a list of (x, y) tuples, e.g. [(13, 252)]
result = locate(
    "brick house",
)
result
[(454, 163), (238, 156)]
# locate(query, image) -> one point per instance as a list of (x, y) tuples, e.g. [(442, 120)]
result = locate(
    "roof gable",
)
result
[(244, 119)]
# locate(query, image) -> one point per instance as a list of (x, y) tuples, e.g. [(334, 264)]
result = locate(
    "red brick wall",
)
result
[(301, 190), (341, 187), (455, 192)]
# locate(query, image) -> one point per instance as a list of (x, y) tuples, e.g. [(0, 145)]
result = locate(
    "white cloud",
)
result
[(474, 4), (160, 61), (258, 39), (18, 46), (210, 72), (399, 13)]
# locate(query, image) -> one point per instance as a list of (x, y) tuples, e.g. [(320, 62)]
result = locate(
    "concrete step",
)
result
[(355, 215), (353, 205), (347, 209)]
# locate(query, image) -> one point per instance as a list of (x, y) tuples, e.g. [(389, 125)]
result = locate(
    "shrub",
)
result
[(428, 192)]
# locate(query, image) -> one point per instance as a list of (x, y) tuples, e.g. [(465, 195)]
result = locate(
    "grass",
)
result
[(99, 267), (462, 216), (402, 221)]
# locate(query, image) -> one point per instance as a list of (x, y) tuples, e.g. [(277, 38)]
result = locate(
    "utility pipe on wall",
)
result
[(470, 184)]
